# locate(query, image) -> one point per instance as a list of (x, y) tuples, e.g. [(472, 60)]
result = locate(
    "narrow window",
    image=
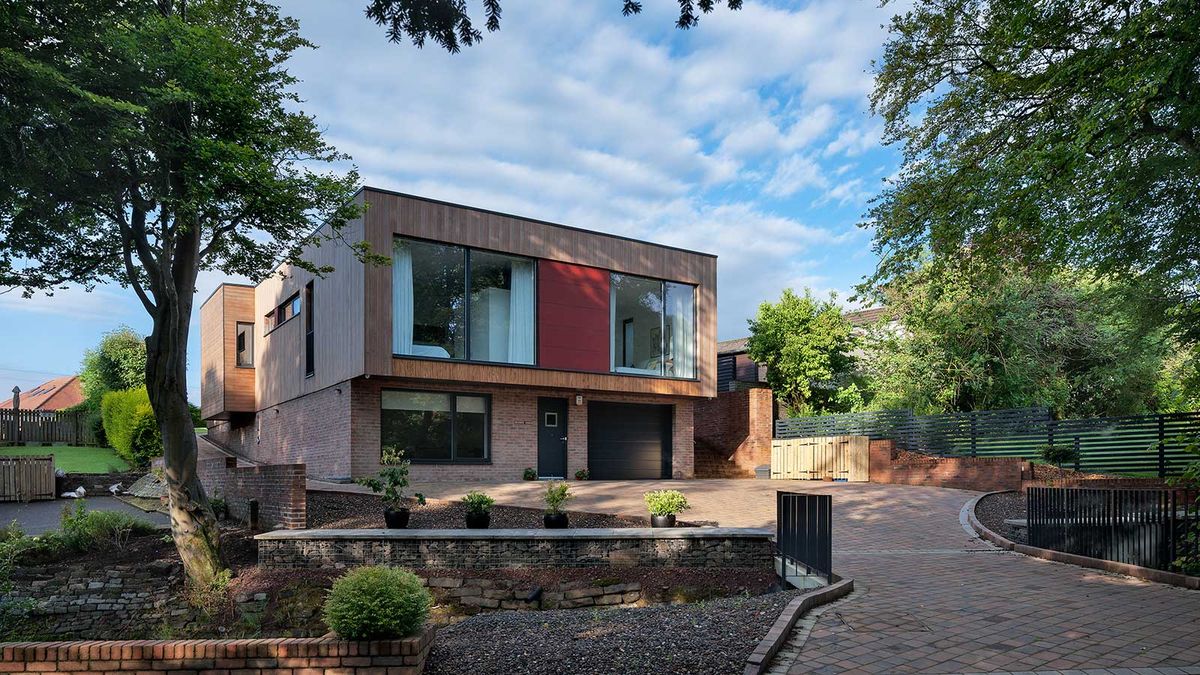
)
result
[(309, 365), (245, 345)]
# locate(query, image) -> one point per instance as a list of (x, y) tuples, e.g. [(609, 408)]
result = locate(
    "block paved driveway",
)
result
[(929, 597)]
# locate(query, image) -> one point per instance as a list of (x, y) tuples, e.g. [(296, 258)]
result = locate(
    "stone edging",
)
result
[(1135, 571), (758, 661), (569, 533)]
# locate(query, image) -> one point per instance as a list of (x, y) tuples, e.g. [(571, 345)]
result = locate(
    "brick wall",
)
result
[(985, 474), (739, 426), (495, 549), (249, 657), (281, 489)]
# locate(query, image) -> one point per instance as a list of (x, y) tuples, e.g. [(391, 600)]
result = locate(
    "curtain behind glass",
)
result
[(521, 320), (681, 325), (402, 298)]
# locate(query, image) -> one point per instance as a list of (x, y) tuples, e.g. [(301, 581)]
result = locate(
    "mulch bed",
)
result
[(709, 637), (348, 510), (992, 510)]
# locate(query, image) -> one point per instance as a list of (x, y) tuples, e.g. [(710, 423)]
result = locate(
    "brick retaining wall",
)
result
[(738, 425), (985, 474), (279, 488), (491, 549), (248, 657)]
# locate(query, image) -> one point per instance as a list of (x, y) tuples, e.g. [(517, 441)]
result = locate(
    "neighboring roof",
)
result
[(57, 394), (866, 317), (737, 346)]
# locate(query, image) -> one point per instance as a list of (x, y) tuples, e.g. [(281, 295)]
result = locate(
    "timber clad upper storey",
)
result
[(472, 302)]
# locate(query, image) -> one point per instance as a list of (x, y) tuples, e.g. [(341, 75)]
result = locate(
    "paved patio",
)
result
[(930, 598)]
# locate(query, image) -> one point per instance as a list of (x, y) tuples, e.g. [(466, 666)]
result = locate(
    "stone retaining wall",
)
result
[(247, 657), (471, 596), (492, 549)]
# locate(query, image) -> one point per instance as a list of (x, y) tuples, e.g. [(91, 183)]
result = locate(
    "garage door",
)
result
[(629, 441)]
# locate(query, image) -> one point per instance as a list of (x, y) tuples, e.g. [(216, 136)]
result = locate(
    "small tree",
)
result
[(805, 344), (116, 364), (392, 480)]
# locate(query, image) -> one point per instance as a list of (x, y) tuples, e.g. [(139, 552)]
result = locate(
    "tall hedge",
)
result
[(130, 426)]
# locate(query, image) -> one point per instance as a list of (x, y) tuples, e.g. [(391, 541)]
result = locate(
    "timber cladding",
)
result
[(389, 215), (224, 387)]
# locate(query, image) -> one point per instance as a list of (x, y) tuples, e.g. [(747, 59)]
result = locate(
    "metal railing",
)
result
[(1150, 528), (804, 537)]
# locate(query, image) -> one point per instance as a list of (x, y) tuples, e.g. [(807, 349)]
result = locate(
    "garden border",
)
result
[(760, 659), (1135, 571)]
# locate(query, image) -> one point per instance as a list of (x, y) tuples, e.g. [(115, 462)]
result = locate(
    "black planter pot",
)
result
[(662, 521), (555, 521), (478, 521), (396, 519)]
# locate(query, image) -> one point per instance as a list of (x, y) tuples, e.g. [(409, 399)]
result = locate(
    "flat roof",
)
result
[(532, 220)]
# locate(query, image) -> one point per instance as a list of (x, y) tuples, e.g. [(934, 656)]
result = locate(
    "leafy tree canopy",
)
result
[(448, 22), (805, 344), (117, 363), (1045, 133)]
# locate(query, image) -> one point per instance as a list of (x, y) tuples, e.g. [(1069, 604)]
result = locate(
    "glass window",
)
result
[(503, 319), (434, 426), (428, 299), (679, 330), (309, 336), (245, 345), (637, 305)]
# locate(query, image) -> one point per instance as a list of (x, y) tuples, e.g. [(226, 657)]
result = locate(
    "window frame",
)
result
[(467, 306), (310, 358), (453, 394), (272, 318), (249, 331), (662, 329)]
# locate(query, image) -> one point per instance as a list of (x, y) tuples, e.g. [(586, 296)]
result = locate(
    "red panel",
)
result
[(572, 317)]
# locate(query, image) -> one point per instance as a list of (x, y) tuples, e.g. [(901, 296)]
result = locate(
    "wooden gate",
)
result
[(821, 458), (24, 479)]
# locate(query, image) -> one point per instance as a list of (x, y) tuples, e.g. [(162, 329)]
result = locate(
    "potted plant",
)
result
[(479, 510), (390, 483), (530, 473), (556, 496), (663, 505), (582, 474)]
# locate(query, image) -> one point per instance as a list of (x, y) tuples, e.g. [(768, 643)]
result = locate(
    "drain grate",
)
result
[(882, 622)]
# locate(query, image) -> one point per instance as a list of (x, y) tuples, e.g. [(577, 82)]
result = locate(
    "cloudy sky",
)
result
[(748, 137)]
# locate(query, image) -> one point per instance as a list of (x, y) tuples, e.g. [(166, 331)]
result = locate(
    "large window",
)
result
[(434, 426), (454, 303), (653, 327)]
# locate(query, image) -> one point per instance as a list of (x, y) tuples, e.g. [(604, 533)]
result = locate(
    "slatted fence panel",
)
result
[(35, 426), (26, 478)]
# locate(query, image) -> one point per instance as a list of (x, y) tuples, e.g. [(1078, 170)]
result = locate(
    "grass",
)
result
[(71, 458)]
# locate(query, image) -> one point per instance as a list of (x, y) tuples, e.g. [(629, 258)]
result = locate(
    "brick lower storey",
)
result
[(335, 431)]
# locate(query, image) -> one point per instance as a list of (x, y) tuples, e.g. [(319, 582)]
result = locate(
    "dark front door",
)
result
[(629, 441), (552, 437)]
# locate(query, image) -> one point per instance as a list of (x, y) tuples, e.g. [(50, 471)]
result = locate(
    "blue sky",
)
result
[(749, 137)]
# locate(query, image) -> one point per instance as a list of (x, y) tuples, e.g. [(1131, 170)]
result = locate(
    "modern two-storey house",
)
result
[(491, 343)]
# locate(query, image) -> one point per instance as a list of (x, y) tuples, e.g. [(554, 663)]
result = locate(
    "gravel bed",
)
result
[(347, 510), (711, 637), (992, 511)]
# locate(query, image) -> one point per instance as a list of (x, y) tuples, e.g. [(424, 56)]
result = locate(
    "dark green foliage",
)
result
[(377, 603), (1042, 134), (84, 530), (197, 420), (392, 480), (805, 344), (1058, 454), (131, 427), (530, 473), (478, 503), (118, 362)]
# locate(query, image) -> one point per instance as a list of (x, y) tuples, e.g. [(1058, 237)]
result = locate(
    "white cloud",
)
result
[(794, 174)]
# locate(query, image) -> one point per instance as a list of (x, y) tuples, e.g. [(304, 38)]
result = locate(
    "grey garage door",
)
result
[(629, 441)]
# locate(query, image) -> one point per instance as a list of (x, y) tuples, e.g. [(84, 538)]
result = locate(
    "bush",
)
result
[(530, 473), (556, 496), (582, 474), (1058, 454), (666, 502), (130, 426), (478, 503), (377, 603), (85, 530)]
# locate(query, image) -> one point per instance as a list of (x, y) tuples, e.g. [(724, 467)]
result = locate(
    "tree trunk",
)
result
[(193, 524)]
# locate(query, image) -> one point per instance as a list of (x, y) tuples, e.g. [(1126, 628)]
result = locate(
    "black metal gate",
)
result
[(1150, 528), (804, 532)]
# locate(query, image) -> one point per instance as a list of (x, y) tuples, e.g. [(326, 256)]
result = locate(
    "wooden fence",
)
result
[(35, 426), (1140, 444), (819, 458), (24, 479)]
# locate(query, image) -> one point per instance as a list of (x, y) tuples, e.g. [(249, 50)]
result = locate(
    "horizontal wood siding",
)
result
[(390, 214), (212, 355), (224, 388)]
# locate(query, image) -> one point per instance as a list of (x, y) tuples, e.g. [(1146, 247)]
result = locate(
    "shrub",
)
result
[(557, 494), (85, 530), (666, 502), (392, 480), (582, 474), (130, 426), (478, 503), (530, 473), (377, 603), (1058, 454)]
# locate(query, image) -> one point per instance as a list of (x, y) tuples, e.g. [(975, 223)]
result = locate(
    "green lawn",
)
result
[(72, 459)]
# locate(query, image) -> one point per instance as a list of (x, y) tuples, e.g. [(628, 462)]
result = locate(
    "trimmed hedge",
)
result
[(377, 603), (130, 426)]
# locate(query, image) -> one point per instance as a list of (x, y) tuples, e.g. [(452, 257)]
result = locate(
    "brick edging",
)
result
[(1135, 571), (760, 659)]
